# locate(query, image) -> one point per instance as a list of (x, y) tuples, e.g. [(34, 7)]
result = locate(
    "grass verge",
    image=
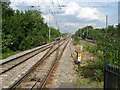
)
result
[(9, 53), (91, 71)]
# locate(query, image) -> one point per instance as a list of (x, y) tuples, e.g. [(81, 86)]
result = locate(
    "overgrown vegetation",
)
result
[(76, 40), (106, 49), (24, 30)]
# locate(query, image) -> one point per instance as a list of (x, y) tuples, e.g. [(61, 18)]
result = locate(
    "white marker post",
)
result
[(81, 48), (79, 56)]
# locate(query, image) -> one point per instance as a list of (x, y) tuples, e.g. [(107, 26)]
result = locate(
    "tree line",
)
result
[(107, 40), (107, 46), (24, 30)]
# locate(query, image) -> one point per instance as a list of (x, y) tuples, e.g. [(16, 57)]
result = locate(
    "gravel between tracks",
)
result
[(40, 72), (65, 76), (10, 77)]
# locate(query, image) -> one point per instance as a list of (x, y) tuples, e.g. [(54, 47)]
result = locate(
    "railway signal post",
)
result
[(79, 55)]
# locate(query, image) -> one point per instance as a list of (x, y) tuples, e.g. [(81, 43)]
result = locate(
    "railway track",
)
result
[(12, 63), (39, 74)]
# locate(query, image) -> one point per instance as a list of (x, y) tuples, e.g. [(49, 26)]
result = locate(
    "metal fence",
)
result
[(111, 77)]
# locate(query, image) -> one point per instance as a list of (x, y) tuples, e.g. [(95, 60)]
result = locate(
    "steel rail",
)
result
[(25, 54), (23, 61), (51, 69), (53, 66), (45, 47), (33, 67)]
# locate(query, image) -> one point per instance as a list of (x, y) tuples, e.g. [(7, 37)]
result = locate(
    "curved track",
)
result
[(12, 63), (39, 74)]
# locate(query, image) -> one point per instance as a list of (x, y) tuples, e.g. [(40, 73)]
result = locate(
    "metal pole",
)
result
[(49, 29), (0, 29), (119, 12), (87, 32), (106, 22)]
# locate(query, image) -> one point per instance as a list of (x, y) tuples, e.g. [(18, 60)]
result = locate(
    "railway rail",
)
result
[(38, 75), (12, 63)]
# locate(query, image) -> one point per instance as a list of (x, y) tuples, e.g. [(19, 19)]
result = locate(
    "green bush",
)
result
[(106, 49), (98, 74), (76, 40), (24, 30)]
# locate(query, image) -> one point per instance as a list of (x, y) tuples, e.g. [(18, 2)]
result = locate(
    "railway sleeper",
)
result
[(36, 79)]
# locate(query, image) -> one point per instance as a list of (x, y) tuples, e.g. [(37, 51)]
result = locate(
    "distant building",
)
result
[(119, 12)]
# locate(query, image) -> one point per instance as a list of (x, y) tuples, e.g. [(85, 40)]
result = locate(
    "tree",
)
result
[(24, 30)]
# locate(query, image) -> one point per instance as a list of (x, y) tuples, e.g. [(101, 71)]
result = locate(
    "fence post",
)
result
[(111, 77), (105, 78)]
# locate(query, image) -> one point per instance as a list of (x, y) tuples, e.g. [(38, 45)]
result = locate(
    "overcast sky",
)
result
[(70, 15)]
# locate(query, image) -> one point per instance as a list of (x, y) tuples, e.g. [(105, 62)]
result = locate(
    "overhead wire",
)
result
[(55, 12), (60, 7), (46, 5)]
